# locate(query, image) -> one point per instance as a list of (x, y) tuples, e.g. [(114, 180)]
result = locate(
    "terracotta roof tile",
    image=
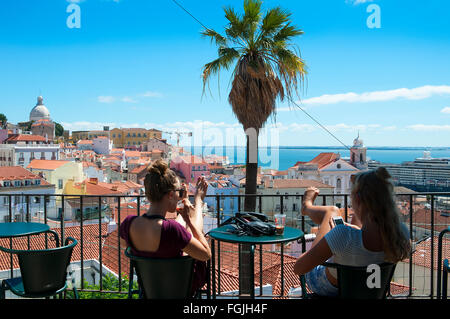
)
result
[(295, 183), (46, 164), (25, 138)]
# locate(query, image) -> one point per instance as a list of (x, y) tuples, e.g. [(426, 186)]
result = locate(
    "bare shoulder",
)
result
[(145, 234)]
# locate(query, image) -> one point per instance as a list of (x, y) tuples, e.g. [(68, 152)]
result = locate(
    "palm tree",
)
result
[(266, 69)]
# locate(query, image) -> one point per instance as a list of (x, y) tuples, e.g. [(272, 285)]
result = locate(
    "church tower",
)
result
[(358, 154)]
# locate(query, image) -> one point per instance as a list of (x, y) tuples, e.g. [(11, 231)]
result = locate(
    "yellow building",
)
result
[(57, 172), (123, 137)]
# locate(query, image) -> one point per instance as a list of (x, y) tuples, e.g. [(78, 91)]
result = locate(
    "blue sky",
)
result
[(137, 63)]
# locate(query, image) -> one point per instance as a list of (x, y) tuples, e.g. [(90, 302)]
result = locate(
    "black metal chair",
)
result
[(43, 272), (161, 278), (356, 282)]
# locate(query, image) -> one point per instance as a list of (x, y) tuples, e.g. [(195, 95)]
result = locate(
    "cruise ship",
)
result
[(424, 174)]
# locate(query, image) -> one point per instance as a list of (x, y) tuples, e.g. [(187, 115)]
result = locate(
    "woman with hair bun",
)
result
[(375, 235), (152, 235)]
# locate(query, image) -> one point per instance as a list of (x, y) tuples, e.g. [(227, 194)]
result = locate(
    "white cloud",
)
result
[(418, 93), (356, 2), (429, 128), (128, 98), (150, 94), (446, 110), (106, 99)]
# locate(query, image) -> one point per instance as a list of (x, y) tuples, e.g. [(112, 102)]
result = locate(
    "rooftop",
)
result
[(25, 138), (46, 164), (294, 183)]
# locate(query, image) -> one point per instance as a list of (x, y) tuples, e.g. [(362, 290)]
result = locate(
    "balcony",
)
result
[(99, 268)]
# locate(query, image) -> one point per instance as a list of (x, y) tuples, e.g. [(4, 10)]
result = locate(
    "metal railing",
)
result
[(53, 209)]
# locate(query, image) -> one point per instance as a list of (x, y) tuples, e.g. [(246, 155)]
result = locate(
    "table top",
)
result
[(289, 234), (21, 229)]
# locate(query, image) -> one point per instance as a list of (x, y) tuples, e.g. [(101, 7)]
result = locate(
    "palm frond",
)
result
[(224, 61), (286, 33), (216, 37), (273, 21), (251, 18)]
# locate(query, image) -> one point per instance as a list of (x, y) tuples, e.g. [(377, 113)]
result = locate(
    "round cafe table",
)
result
[(8, 230), (221, 234)]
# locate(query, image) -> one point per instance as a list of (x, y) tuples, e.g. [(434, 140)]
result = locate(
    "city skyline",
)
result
[(137, 64)]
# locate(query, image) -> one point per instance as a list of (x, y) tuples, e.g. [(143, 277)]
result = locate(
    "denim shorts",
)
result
[(318, 282)]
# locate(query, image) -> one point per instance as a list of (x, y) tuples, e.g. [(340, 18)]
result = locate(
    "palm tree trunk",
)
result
[(246, 271)]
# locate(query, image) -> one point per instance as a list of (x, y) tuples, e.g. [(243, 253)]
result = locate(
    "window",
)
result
[(37, 182), (338, 165), (114, 135), (17, 183), (60, 184), (139, 134), (145, 134), (338, 183), (134, 134)]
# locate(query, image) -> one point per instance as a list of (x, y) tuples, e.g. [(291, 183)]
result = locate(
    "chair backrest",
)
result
[(163, 278), (45, 270), (368, 282)]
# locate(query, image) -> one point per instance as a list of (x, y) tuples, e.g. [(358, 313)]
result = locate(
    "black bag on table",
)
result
[(250, 224)]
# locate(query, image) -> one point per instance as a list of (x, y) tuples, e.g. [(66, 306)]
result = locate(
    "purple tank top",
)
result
[(174, 237)]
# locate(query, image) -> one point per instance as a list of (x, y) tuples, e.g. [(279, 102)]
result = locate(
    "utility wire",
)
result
[(312, 118), (190, 14), (290, 99)]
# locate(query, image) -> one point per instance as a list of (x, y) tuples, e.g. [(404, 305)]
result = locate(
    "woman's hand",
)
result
[(185, 193), (201, 188), (188, 210), (309, 197)]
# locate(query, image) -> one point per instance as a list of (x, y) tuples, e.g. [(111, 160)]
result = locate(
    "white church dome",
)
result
[(39, 112)]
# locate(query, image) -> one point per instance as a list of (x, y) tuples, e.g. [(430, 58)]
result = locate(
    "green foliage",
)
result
[(59, 129), (109, 283), (3, 120)]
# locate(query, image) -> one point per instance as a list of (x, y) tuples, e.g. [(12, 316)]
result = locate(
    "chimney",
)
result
[(112, 226)]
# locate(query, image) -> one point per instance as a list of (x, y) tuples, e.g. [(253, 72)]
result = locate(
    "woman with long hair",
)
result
[(375, 234)]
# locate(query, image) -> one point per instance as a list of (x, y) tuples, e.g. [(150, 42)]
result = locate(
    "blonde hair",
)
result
[(159, 181), (377, 199)]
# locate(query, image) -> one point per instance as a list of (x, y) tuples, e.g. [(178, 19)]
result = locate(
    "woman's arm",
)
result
[(317, 255), (198, 246)]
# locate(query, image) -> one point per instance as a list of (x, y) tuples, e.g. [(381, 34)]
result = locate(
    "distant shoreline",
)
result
[(390, 148)]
